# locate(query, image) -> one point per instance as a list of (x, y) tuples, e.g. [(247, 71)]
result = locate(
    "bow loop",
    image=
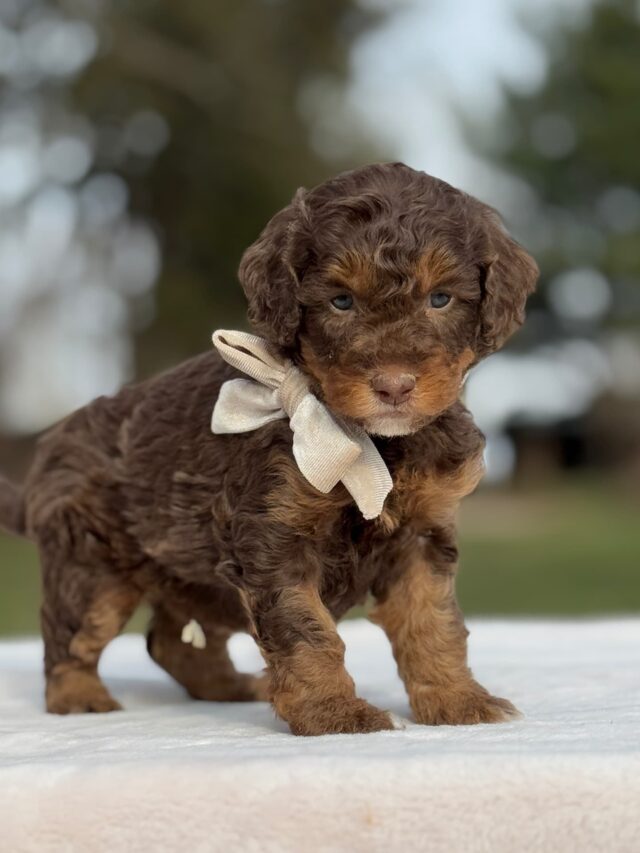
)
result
[(251, 355), (325, 450)]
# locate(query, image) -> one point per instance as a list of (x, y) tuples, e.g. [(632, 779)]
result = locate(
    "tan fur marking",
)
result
[(311, 688), (102, 622), (436, 497), (436, 266), (74, 686), (439, 381), (429, 640), (75, 689), (354, 270), (432, 499), (349, 395), (343, 392)]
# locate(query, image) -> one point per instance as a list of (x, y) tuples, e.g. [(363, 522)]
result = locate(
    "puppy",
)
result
[(383, 287)]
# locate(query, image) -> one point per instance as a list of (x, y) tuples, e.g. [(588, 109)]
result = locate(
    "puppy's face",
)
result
[(385, 285), (390, 348)]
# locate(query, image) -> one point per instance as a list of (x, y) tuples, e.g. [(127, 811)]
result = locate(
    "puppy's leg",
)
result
[(425, 626), (82, 610), (206, 673), (310, 687)]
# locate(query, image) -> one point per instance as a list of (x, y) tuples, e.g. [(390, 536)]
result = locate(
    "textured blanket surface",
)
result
[(172, 774)]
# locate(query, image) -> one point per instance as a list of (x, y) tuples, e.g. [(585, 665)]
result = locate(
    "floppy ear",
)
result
[(509, 275), (270, 273)]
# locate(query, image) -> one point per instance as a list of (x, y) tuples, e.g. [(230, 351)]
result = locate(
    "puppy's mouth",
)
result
[(390, 420)]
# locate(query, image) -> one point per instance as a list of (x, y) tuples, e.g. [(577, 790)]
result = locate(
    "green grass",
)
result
[(19, 586), (567, 548)]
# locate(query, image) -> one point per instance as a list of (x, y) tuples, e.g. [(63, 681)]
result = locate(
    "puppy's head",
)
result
[(386, 285)]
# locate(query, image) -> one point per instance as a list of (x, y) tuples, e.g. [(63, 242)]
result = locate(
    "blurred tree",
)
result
[(228, 81), (573, 142)]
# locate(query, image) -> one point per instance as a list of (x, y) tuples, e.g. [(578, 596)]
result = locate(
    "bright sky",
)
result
[(435, 58)]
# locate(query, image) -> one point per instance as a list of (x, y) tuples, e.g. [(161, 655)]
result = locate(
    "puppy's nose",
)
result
[(393, 388)]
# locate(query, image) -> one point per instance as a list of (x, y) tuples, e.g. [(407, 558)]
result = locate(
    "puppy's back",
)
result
[(138, 435)]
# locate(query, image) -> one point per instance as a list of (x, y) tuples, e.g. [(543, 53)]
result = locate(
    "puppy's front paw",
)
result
[(459, 705), (340, 716)]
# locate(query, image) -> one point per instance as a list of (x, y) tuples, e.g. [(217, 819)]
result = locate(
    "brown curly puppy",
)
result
[(383, 285)]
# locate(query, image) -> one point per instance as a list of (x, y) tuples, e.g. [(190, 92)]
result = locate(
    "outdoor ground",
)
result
[(570, 548)]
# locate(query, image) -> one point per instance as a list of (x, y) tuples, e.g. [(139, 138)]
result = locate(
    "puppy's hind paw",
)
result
[(78, 692)]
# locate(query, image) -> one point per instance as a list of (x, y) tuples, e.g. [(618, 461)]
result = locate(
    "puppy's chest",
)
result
[(355, 552), (428, 496)]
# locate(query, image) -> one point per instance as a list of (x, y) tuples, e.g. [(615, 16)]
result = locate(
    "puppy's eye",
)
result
[(439, 300), (342, 302)]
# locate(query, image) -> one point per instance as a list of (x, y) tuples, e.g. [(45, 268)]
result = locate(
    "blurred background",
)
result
[(144, 145)]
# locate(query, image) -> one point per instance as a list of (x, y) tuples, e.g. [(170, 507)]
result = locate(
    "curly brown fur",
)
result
[(133, 498)]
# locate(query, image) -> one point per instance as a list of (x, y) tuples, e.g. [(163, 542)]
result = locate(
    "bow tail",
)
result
[(368, 480), (327, 452), (322, 450)]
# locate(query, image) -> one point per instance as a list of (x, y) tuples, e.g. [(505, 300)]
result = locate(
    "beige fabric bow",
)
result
[(326, 450)]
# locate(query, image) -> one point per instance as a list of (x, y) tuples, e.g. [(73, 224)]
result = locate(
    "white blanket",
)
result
[(172, 774)]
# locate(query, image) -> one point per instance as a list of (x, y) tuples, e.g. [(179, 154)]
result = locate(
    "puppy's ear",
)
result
[(270, 273), (508, 276)]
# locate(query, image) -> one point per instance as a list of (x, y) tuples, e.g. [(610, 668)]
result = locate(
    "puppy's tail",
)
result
[(11, 508)]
